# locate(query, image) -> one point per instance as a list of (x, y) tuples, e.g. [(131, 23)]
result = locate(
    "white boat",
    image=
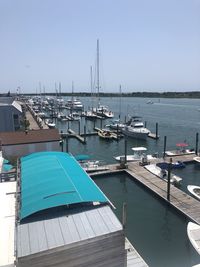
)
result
[(75, 116), (93, 165), (50, 124), (193, 232), (116, 124), (197, 159), (90, 115), (103, 111), (139, 154), (194, 190), (74, 104), (161, 173), (135, 128)]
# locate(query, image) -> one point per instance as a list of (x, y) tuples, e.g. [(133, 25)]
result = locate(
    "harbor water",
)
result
[(178, 119), (157, 230)]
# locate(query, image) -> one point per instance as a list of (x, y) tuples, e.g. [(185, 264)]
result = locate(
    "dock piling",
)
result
[(85, 134), (197, 143), (156, 130), (125, 149), (124, 214), (79, 127), (67, 144), (168, 179), (165, 142)]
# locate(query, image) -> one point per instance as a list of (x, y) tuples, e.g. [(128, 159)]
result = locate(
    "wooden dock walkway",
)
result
[(178, 199), (77, 136), (133, 257)]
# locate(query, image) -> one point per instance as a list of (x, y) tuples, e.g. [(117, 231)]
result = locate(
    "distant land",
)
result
[(192, 94)]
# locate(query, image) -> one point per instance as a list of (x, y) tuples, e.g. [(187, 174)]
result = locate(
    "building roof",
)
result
[(41, 235), (53, 179), (17, 105), (29, 137), (7, 223)]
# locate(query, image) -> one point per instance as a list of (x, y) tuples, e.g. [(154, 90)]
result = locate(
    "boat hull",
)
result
[(136, 134), (193, 231)]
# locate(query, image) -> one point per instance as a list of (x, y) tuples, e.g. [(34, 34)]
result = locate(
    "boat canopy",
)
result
[(139, 148), (53, 179)]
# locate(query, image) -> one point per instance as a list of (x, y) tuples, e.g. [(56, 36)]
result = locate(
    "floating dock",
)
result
[(183, 202)]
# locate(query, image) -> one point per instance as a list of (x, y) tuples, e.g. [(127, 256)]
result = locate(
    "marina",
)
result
[(78, 136), (99, 134)]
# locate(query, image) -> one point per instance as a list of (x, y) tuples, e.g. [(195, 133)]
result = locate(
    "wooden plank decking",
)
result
[(179, 199), (133, 257)]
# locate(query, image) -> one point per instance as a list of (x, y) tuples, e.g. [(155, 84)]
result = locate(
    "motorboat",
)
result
[(90, 115), (135, 129), (74, 104), (75, 116), (103, 111), (194, 190), (90, 165), (105, 134), (139, 154), (163, 174), (175, 165), (50, 124), (193, 232), (197, 159), (116, 124), (149, 102)]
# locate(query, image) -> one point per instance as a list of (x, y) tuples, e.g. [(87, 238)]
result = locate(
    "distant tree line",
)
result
[(192, 94)]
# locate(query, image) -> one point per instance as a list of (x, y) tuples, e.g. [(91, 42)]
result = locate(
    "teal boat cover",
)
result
[(52, 179)]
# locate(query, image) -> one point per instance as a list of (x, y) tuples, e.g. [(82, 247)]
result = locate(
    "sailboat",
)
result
[(74, 103), (101, 110), (89, 114)]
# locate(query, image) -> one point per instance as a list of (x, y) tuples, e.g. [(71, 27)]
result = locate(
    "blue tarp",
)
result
[(52, 179), (7, 167)]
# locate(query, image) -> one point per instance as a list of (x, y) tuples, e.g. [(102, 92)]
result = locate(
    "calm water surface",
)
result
[(156, 230), (178, 119)]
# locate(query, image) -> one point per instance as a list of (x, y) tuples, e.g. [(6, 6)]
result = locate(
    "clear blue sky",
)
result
[(145, 45)]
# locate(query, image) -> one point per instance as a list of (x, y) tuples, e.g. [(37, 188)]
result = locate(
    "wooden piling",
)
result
[(125, 149), (85, 134), (79, 127), (124, 214), (165, 142), (156, 130), (197, 144), (168, 179), (67, 144)]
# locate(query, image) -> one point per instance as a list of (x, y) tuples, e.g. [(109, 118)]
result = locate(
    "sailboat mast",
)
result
[(91, 84), (120, 93), (98, 88)]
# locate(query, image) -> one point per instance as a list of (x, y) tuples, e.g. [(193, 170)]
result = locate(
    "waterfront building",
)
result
[(10, 114), (21, 143), (63, 218)]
